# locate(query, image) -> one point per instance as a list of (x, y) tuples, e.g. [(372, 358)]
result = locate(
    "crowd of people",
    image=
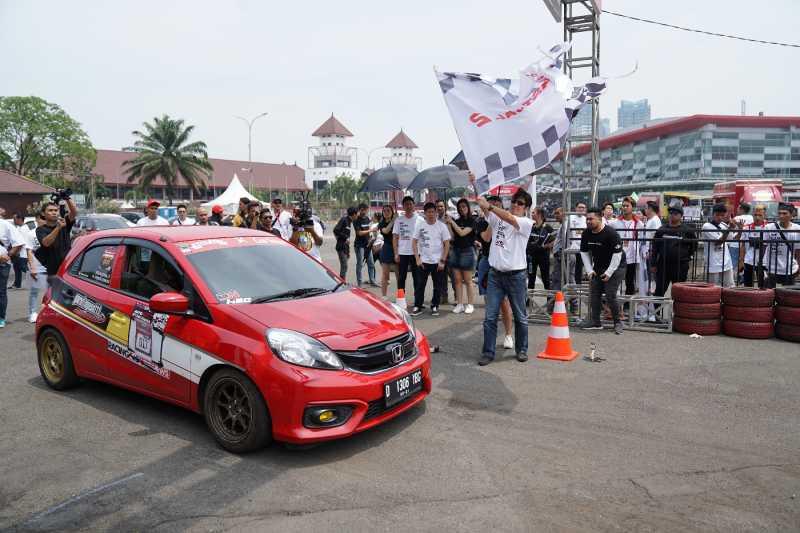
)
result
[(488, 251)]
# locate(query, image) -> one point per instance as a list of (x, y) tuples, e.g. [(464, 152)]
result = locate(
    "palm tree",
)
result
[(161, 152)]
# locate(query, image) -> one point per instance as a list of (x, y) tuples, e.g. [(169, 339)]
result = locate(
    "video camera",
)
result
[(302, 213), (60, 197)]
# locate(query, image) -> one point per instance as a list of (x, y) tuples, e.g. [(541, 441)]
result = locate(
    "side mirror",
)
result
[(172, 303)]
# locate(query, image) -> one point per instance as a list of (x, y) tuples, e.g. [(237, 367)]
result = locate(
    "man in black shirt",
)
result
[(604, 261), (361, 246), (54, 236), (342, 233), (674, 246), (538, 250)]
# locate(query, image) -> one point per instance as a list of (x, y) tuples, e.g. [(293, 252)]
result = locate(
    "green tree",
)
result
[(344, 191), (162, 151), (38, 139)]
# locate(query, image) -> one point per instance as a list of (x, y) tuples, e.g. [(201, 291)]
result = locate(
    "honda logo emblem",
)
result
[(397, 353)]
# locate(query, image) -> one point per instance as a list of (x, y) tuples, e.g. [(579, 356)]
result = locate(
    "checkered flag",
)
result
[(510, 128)]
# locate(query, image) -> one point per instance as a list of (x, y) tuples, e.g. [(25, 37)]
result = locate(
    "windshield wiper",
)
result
[(294, 293)]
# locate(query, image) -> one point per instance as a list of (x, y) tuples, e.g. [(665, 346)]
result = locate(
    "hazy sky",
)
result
[(114, 64)]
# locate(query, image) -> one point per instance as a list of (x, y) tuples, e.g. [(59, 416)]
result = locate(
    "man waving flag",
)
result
[(510, 128)]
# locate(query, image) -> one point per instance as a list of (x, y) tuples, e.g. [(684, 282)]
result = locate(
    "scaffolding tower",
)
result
[(581, 20)]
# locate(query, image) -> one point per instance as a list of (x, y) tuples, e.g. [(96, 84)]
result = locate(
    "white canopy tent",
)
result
[(229, 200)]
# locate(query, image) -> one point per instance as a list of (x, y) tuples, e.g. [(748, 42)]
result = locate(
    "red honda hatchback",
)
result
[(240, 326)]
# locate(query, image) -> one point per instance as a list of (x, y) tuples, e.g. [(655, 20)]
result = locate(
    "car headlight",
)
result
[(299, 349), (406, 318)]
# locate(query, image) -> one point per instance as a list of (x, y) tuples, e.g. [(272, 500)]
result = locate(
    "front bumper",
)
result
[(290, 389)]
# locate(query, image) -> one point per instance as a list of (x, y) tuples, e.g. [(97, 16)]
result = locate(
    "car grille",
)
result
[(376, 408), (378, 357)]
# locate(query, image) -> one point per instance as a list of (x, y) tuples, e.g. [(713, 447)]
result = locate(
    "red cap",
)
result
[(153, 202), (217, 209)]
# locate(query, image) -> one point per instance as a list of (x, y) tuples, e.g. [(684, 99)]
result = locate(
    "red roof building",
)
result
[(264, 176), (332, 127), (688, 154), (401, 140), (18, 193)]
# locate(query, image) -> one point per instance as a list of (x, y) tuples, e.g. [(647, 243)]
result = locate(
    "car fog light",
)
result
[(327, 416)]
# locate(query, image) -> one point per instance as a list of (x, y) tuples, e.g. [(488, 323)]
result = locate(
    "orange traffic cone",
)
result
[(401, 299), (559, 346)]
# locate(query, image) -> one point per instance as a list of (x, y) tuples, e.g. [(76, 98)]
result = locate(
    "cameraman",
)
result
[(54, 235), (307, 236)]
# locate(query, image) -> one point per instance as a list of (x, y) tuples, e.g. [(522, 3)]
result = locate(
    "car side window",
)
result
[(147, 272), (96, 264)]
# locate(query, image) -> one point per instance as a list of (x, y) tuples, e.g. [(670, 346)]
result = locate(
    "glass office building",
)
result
[(688, 153)]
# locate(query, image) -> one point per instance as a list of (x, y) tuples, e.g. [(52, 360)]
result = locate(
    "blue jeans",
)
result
[(513, 285), (360, 256), (5, 270), (483, 274)]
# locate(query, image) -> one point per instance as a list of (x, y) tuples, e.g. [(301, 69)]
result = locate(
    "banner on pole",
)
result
[(509, 128)]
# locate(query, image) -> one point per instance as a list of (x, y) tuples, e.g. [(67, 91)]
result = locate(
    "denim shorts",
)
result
[(462, 258)]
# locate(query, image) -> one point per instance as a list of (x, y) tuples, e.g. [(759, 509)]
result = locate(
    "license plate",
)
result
[(398, 390)]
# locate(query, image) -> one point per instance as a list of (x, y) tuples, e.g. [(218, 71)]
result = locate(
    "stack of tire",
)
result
[(696, 308), (787, 313), (748, 312)]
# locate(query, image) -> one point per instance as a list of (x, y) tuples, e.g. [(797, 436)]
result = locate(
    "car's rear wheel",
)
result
[(55, 361), (235, 412)]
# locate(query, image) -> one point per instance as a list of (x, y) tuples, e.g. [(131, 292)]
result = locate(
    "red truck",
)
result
[(767, 193)]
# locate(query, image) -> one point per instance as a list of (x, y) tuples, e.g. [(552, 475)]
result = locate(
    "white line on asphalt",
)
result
[(84, 495)]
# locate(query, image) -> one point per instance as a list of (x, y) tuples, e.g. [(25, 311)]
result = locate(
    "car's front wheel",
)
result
[(236, 412), (55, 361)]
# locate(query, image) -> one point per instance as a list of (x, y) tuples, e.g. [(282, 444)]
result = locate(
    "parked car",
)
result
[(131, 216), (96, 222), (289, 352)]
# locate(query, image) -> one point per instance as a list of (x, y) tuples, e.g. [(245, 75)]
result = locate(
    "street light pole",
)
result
[(250, 142), (369, 153)]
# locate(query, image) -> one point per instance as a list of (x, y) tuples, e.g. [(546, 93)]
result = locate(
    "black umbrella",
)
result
[(441, 177), (393, 177), (460, 161)]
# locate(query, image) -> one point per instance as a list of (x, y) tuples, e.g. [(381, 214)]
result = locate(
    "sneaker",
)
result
[(522, 357), (508, 342), (416, 311), (484, 360), (33, 317), (434, 311), (469, 309), (2, 323), (652, 319), (588, 325), (458, 309), (618, 328)]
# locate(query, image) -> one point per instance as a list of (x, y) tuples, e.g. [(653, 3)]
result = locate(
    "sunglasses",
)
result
[(521, 203)]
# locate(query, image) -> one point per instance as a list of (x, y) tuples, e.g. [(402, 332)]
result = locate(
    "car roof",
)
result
[(176, 234)]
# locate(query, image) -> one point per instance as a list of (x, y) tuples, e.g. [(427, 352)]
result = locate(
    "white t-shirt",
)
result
[(307, 244), (430, 240), (653, 223), (507, 251), (404, 228), (9, 236), (284, 225), (718, 256), (746, 220), (629, 229), (577, 224), (779, 251), (147, 221), (747, 236), (3, 251), (32, 244), (176, 222)]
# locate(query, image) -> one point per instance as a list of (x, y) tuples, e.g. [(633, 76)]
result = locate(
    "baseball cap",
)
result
[(153, 202), (493, 198), (217, 209)]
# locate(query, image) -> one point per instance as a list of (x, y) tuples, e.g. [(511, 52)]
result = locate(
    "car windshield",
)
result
[(107, 223), (267, 271)]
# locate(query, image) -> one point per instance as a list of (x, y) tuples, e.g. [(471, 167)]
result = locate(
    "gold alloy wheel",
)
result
[(52, 359)]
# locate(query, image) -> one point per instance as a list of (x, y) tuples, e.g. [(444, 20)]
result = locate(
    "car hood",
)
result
[(344, 320)]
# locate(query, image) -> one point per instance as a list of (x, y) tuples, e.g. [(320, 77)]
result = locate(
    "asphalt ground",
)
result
[(669, 433)]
